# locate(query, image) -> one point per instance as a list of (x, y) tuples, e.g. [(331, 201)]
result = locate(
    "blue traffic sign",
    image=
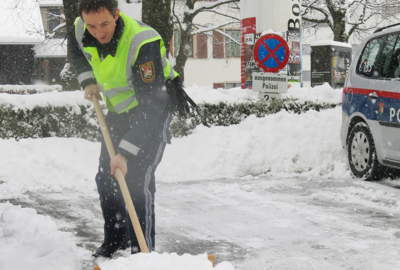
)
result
[(271, 53)]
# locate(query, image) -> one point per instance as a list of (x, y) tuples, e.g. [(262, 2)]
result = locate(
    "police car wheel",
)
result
[(362, 155)]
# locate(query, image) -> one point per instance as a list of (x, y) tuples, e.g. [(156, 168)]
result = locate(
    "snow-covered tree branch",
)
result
[(349, 17)]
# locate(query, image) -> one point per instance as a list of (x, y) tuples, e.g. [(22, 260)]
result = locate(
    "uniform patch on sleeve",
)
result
[(147, 72)]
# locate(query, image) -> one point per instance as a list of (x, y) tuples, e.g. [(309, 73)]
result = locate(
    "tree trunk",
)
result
[(339, 27), (69, 79), (157, 14), (182, 54), (186, 34)]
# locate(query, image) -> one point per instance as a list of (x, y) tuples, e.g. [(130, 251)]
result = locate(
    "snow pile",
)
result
[(51, 164), (208, 95), (282, 144), (28, 89), (31, 241), (321, 93), (72, 98), (155, 261)]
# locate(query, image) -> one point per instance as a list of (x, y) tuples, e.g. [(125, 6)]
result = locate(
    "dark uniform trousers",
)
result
[(141, 184)]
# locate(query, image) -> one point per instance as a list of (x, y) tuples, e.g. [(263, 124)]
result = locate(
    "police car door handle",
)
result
[(373, 96)]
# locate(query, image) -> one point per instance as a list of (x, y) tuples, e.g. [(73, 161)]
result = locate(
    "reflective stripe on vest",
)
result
[(136, 43), (79, 30), (112, 92)]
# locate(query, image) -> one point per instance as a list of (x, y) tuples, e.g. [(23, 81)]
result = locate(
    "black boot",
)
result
[(108, 250)]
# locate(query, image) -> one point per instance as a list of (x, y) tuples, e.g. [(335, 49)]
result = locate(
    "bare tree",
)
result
[(185, 12), (68, 76), (349, 17)]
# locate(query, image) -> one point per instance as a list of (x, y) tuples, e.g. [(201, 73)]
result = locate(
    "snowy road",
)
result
[(257, 223), (287, 223)]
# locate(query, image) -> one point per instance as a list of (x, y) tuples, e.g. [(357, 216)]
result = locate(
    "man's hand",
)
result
[(90, 90), (119, 161)]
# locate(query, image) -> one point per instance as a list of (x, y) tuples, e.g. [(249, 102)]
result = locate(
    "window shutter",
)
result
[(201, 46), (218, 85), (218, 45)]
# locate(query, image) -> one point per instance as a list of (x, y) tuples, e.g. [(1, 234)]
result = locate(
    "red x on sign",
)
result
[(271, 53)]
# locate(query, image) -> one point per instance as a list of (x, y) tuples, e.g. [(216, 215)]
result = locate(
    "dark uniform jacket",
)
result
[(150, 119)]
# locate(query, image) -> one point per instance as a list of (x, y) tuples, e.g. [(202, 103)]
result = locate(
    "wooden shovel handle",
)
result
[(121, 179)]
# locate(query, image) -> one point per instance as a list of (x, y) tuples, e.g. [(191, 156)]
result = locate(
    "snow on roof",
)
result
[(133, 9), (20, 22), (51, 3), (51, 48), (331, 43)]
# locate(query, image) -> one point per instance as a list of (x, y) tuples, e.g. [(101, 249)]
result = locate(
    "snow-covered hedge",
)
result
[(51, 113), (29, 89), (48, 121)]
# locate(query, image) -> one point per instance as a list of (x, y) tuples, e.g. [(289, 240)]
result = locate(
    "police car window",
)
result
[(386, 56), (394, 67), (366, 62)]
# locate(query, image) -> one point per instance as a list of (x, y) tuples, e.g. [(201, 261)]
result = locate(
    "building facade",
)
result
[(50, 56), (21, 30)]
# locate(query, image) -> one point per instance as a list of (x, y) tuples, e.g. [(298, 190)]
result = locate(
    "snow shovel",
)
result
[(121, 180)]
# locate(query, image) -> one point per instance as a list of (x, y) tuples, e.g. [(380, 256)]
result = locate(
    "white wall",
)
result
[(205, 72)]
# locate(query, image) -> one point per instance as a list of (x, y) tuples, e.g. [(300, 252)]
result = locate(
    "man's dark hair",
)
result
[(95, 5)]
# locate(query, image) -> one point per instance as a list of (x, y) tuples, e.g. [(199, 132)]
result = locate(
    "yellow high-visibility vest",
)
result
[(114, 74)]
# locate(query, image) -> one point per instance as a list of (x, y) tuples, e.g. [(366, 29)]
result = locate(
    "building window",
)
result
[(54, 18), (230, 85), (177, 42), (232, 49)]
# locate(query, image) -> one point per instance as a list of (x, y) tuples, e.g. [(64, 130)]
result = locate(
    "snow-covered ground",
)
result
[(268, 193)]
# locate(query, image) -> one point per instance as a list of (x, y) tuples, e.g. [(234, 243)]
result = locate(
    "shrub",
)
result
[(48, 122), (81, 122)]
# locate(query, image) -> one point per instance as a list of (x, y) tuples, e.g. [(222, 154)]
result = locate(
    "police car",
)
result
[(370, 130)]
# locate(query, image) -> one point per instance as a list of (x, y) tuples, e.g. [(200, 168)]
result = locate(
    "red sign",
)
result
[(248, 29), (271, 53)]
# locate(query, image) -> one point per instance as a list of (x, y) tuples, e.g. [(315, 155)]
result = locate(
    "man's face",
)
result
[(101, 24)]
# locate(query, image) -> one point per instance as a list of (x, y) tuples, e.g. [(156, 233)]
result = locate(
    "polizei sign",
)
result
[(269, 82), (261, 17)]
